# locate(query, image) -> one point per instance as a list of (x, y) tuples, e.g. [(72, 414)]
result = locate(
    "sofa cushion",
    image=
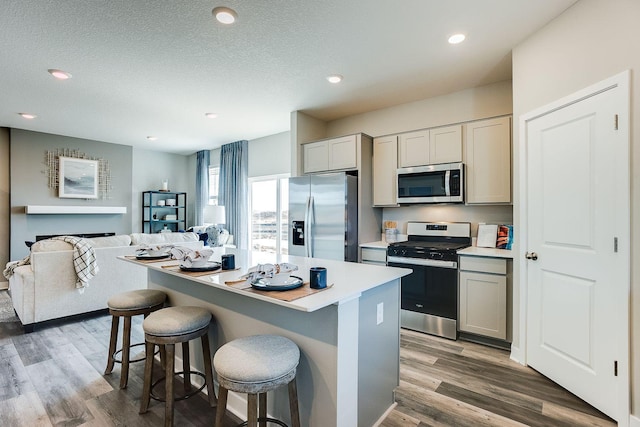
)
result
[(156, 238), (49, 245), (110, 241)]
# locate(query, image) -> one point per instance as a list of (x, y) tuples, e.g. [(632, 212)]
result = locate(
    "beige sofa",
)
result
[(45, 289)]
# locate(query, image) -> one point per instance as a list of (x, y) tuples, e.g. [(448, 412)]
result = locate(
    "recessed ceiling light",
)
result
[(28, 116), (334, 78), (211, 115), (59, 74), (457, 38), (225, 15), (152, 138)]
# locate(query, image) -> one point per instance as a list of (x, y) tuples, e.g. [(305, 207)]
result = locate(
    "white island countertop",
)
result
[(344, 332), (345, 280), (486, 252)]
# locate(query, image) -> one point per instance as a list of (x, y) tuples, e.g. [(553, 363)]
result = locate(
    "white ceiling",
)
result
[(155, 67)]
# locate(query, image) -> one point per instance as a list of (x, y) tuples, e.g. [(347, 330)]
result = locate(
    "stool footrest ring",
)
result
[(132, 360), (184, 396), (265, 419)]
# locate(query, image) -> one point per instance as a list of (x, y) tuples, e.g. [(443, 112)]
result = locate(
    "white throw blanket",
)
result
[(84, 261)]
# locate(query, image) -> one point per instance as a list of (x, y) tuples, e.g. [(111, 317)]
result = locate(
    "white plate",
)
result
[(278, 283)]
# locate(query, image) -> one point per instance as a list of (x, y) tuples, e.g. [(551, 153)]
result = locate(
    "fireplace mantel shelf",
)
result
[(63, 210)]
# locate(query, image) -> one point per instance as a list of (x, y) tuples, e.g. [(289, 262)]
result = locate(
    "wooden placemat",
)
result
[(176, 268), (303, 291), (147, 261)]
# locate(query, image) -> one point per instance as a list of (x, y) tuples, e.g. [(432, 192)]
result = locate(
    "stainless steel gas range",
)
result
[(429, 295)]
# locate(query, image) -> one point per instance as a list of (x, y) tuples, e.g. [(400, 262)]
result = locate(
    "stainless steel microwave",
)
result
[(443, 183)]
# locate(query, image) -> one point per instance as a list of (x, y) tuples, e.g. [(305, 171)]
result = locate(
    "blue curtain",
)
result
[(234, 190), (202, 185)]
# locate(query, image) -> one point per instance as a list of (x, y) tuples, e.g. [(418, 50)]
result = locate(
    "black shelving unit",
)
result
[(156, 217)]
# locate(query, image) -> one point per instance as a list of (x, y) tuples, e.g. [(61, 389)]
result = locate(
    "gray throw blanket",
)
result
[(84, 261)]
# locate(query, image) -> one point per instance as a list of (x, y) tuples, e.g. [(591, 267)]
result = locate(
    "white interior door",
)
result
[(577, 220)]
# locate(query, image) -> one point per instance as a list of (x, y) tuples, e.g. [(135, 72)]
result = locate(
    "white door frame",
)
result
[(622, 82)]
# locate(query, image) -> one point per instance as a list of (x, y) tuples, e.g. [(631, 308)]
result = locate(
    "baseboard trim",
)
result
[(634, 421), (385, 415), (4, 286)]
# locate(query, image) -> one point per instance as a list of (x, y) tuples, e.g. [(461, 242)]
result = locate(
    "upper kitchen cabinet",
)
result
[(430, 146), (413, 149), (487, 157), (445, 144), (331, 154), (385, 163)]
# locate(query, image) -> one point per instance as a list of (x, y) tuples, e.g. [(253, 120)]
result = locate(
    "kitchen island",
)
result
[(348, 334)]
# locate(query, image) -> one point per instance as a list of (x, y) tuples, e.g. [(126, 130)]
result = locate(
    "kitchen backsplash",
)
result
[(498, 214)]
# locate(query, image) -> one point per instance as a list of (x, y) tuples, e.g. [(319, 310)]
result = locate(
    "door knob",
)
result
[(531, 255)]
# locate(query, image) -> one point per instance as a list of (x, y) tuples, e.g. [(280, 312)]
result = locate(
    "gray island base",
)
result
[(348, 334)]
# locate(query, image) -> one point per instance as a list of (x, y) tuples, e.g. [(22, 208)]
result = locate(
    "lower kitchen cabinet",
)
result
[(483, 296)]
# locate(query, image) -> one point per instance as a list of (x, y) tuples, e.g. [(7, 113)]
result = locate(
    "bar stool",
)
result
[(127, 305), (255, 365), (166, 328)]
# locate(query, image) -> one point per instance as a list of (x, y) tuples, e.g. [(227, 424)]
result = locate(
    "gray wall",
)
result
[(4, 201), (132, 171), (583, 46), (150, 168), (269, 155)]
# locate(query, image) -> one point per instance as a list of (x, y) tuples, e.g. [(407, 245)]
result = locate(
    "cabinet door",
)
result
[(316, 156), (445, 144), (385, 164), (483, 304), (488, 161), (343, 153), (413, 149)]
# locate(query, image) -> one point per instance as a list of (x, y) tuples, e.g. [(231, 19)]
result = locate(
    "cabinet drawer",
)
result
[(483, 264), (375, 255)]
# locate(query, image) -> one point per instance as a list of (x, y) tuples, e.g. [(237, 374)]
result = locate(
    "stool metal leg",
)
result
[(262, 409), (126, 351), (169, 369), (113, 342), (293, 403), (186, 367), (148, 378), (252, 410), (208, 371), (222, 405)]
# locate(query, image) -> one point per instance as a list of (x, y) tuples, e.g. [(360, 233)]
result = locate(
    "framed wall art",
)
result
[(78, 178)]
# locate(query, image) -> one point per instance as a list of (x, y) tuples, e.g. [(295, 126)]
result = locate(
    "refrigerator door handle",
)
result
[(307, 227), (307, 236)]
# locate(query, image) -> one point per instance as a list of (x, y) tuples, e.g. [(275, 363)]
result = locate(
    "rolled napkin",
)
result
[(189, 257), (154, 250), (269, 271)]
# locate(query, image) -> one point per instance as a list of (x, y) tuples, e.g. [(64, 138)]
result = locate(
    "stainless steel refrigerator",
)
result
[(323, 215)]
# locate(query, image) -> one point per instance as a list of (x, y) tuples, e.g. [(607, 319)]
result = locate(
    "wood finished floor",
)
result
[(53, 377)]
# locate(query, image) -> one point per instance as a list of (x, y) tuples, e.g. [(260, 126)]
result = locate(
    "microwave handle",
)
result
[(447, 178)]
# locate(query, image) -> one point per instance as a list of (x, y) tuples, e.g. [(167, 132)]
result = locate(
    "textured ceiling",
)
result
[(155, 67)]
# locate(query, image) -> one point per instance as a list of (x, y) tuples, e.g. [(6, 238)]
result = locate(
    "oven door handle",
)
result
[(422, 262)]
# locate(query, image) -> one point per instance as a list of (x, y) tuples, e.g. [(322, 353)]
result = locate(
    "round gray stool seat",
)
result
[(136, 300), (256, 363), (175, 321)]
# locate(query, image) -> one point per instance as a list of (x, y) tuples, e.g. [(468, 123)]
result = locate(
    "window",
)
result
[(214, 184), (269, 220)]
